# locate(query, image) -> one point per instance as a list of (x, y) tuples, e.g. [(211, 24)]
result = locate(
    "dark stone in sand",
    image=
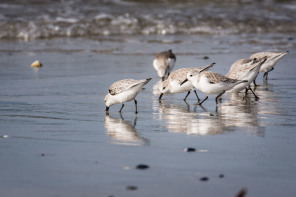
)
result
[(42, 155), (204, 178), (189, 149), (131, 188), (142, 167), (290, 38), (205, 57), (241, 193), (221, 176)]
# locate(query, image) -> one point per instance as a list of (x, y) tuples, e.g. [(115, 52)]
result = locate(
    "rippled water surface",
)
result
[(31, 19), (56, 139)]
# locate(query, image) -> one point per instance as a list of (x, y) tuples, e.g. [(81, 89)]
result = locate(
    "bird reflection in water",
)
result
[(123, 132), (272, 103), (180, 118), (238, 114)]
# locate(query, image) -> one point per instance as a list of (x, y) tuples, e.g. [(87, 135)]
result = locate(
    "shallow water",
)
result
[(58, 141)]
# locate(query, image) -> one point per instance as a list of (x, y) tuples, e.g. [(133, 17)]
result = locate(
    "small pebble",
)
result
[(241, 193), (221, 176), (189, 150), (290, 38), (204, 178), (36, 64), (142, 167), (131, 188), (206, 57), (42, 155), (5, 136)]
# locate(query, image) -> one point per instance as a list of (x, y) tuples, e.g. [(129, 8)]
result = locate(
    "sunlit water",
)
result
[(56, 139)]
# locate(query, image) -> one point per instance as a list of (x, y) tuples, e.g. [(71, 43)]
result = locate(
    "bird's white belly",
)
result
[(126, 96), (266, 66), (176, 88)]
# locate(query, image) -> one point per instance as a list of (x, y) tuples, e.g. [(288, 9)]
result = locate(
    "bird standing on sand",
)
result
[(164, 62), (124, 91), (211, 83)]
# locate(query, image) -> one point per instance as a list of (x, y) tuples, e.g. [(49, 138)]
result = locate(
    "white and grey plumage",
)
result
[(245, 69), (211, 83), (164, 62), (124, 91), (172, 84), (272, 59)]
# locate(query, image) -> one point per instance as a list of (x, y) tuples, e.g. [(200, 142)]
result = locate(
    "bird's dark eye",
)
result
[(190, 75), (163, 88)]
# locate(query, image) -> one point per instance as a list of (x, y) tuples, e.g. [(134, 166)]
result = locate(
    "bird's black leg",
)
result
[(135, 121), (186, 95), (219, 95), (203, 101), (136, 103), (198, 100), (254, 82), (159, 98), (265, 76), (121, 108), (256, 97)]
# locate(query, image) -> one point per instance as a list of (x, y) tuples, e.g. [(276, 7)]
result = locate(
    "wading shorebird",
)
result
[(211, 83), (245, 69), (272, 59), (164, 62), (124, 91), (172, 84)]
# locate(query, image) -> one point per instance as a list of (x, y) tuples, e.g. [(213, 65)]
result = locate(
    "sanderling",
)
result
[(245, 69), (172, 84), (272, 59), (211, 83), (123, 91), (164, 62)]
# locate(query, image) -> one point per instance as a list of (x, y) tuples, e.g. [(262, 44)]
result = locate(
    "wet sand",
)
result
[(56, 139)]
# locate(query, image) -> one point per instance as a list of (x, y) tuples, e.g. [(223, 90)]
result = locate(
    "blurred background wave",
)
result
[(37, 19)]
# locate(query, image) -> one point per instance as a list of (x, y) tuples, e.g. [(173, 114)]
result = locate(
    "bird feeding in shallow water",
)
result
[(272, 59), (124, 91), (211, 83), (164, 62), (245, 69), (172, 84)]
